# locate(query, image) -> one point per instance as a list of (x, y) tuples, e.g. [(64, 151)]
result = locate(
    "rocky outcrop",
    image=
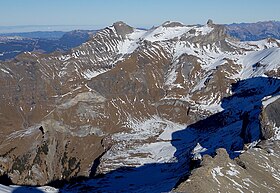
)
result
[(210, 22), (54, 155), (254, 170)]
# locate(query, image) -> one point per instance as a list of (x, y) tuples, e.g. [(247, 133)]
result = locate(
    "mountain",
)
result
[(135, 110), (36, 34), (13, 44), (255, 31)]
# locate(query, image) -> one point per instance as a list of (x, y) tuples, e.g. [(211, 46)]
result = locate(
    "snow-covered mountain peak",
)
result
[(162, 33), (172, 24), (170, 30)]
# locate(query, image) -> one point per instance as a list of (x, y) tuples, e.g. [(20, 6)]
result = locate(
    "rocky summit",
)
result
[(135, 110)]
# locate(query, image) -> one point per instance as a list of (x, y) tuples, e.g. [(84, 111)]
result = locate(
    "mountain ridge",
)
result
[(255, 31), (42, 41)]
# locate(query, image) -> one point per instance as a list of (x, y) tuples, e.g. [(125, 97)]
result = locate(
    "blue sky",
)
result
[(138, 13)]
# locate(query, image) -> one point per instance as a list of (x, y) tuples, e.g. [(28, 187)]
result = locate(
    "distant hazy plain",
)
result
[(31, 28)]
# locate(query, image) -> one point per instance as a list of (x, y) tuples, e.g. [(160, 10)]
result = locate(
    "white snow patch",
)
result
[(43, 189), (204, 30), (5, 71), (198, 149), (127, 46), (217, 172), (213, 108), (131, 42), (276, 133), (166, 33), (268, 100), (232, 171), (257, 63), (253, 144), (88, 74), (159, 150), (23, 133)]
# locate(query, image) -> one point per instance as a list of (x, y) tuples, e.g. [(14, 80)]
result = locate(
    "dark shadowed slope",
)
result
[(235, 126)]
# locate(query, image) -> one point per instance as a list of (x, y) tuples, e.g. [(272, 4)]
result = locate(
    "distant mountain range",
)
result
[(12, 44), (36, 34), (255, 31)]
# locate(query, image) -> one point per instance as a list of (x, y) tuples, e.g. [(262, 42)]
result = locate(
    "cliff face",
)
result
[(128, 99), (270, 117)]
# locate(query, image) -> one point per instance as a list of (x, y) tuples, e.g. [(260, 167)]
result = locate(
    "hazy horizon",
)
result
[(144, 13), (67, 28), (45, 28)]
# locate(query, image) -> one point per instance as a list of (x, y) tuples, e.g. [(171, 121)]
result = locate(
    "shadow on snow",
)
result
[(236, 125)]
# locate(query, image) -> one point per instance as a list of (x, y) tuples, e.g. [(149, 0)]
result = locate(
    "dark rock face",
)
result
[(122, 28), (273, 112), (210, 22), (270, 119)]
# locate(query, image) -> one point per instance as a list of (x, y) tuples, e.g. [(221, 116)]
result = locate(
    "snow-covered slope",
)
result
[(260, 62), (22, 189)]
